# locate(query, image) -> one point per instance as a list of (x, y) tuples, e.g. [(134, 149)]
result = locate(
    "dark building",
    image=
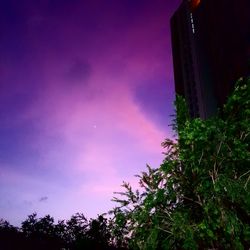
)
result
[(211, 50)]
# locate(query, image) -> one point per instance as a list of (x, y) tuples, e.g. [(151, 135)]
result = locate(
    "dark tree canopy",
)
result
[(44, 234)]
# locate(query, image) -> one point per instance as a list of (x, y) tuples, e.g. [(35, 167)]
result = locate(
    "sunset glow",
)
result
[(86, 92)]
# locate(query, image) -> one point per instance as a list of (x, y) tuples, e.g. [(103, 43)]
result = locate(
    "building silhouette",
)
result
[(211, 50)]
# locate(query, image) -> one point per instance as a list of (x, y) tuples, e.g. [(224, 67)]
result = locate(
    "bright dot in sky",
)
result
[(94, 126)]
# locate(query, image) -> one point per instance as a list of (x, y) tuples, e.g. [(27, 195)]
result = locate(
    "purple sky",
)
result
[(86, 93)]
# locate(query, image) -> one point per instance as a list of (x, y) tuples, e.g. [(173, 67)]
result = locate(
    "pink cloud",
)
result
[(91, 127)]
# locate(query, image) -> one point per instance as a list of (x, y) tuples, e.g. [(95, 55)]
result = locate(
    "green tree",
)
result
[(199, 197)]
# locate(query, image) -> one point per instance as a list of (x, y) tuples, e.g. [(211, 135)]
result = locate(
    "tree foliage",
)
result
[(199, 197)]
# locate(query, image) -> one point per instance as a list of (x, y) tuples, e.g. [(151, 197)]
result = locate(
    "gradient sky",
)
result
[(86, 94)]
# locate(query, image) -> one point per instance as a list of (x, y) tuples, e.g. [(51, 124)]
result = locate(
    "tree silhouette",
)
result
[(44, 234), (10, 236)]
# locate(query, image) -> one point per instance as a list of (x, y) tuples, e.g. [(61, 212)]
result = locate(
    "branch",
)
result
[(248, 179), (244, 174), (201, 157), (197, 202)]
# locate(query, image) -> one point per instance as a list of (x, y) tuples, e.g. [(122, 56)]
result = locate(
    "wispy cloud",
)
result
[(43, 199)]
